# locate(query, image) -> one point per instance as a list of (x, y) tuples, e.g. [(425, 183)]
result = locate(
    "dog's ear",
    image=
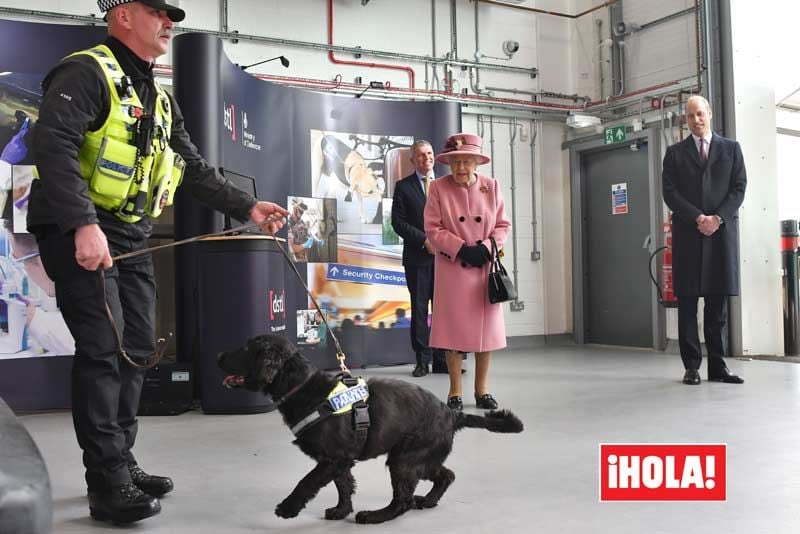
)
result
[(268, 357)]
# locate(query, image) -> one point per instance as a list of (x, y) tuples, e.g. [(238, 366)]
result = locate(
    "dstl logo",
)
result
[(229, 120), (277, 305)]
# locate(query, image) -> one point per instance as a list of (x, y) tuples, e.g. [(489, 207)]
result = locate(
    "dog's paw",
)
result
[(363, 518), (288, 509), (421, 502), (338, 513)]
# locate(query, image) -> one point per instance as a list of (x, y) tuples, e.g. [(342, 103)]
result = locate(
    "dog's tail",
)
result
[(502, 421)]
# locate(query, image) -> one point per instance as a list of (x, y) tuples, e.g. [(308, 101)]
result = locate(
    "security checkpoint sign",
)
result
[(615, 134), (619, 198), (364, 275)]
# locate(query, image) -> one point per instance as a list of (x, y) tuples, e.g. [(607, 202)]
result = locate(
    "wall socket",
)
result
[(517, 305)]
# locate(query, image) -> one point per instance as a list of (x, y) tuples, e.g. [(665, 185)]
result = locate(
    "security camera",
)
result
[(510, 47)]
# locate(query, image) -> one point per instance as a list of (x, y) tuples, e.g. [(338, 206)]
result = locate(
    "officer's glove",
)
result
[(15, 151), (476, 255)]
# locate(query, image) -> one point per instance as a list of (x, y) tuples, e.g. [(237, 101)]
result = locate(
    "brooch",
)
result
[(454, 144), (483, 189)]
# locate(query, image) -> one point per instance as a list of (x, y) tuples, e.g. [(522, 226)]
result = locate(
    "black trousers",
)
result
[(715, 318), (105, 388), (419, 279)]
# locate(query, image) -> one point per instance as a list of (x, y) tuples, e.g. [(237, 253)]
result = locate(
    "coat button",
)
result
[(463, 264), (477, 219), (462, 219)]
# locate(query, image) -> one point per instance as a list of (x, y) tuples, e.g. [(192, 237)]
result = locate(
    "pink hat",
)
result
[(463, 144)]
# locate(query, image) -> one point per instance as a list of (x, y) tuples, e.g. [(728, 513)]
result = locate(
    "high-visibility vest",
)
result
[(123, 176)]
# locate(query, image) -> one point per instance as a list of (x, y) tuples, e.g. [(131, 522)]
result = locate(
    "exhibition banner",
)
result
[(34, 340), (333, 161)]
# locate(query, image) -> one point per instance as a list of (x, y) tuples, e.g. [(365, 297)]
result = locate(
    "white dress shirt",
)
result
[(421, 179), (707, 138)]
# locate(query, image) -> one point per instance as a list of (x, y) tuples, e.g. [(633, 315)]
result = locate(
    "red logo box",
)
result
[(663, 472)]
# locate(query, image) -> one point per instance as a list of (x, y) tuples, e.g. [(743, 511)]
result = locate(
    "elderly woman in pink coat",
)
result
[(462, 211)]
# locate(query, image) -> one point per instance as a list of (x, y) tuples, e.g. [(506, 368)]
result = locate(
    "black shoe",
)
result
[(691, 377), (419, 370), (455, 403), (122, 504), (150, 484), (485, 402), (725, 376)]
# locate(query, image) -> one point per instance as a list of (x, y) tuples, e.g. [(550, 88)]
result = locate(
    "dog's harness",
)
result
[(349, 395)]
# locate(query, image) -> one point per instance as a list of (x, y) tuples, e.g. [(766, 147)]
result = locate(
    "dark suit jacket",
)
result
[(705, 265), (408, 207)]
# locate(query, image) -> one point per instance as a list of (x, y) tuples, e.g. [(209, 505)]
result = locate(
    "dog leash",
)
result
[(161, 343)]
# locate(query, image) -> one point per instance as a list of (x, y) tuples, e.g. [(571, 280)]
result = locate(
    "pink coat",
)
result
[(463, 318)]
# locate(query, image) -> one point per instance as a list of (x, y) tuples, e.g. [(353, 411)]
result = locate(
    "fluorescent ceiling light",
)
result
[(582, 121)]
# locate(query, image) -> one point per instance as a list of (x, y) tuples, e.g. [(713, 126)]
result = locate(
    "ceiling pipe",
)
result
[(235, 36), (547, 12), (476, 85), (453, 30), (684, 84), (224, 16), (697, 44), (435, 75), (333, 58)]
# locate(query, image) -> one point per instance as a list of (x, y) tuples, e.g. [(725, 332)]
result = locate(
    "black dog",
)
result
[(408, 423)]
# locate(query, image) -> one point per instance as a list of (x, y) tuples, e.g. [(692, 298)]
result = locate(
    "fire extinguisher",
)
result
[(666, 290)]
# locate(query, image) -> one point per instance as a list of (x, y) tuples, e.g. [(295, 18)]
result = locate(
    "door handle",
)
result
[(648, 241)]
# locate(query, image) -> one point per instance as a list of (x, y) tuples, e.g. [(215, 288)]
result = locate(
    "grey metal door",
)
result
[(618, 290)]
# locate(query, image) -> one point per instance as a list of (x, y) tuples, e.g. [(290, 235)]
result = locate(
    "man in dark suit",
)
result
[(704, 181), (407, 210)]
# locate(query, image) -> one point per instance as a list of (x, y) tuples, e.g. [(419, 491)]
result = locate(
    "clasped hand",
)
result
[(475, 255), (707, 224)]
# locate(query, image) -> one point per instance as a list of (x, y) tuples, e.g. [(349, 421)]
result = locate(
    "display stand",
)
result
[(239, 294)]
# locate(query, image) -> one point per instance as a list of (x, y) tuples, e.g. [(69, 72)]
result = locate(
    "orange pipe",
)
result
[(333, 59)]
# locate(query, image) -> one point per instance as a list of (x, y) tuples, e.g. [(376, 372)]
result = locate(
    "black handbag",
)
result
[(501, 289)]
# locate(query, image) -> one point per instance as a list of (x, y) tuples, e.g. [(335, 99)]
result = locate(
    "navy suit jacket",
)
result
[(408, 208)]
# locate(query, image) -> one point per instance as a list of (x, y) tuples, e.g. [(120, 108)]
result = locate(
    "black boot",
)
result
[(420, 370), (150, 484), (122, 504)]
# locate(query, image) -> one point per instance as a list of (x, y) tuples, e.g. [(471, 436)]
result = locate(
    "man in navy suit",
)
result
[(407, 210), (704, 181)]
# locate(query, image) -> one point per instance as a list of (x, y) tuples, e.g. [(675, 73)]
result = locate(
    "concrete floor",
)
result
[(231, 471)]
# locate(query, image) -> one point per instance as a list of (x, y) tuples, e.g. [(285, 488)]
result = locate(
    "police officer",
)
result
[(111, 149)]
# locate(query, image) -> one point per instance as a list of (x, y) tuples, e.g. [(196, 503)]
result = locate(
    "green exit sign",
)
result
[(615, 134)]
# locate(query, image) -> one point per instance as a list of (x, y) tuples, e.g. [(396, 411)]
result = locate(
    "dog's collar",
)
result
[(294, 389)]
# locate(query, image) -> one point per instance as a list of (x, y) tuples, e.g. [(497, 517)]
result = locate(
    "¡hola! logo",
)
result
[(663, 472), (229, 119), (277, 304)]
